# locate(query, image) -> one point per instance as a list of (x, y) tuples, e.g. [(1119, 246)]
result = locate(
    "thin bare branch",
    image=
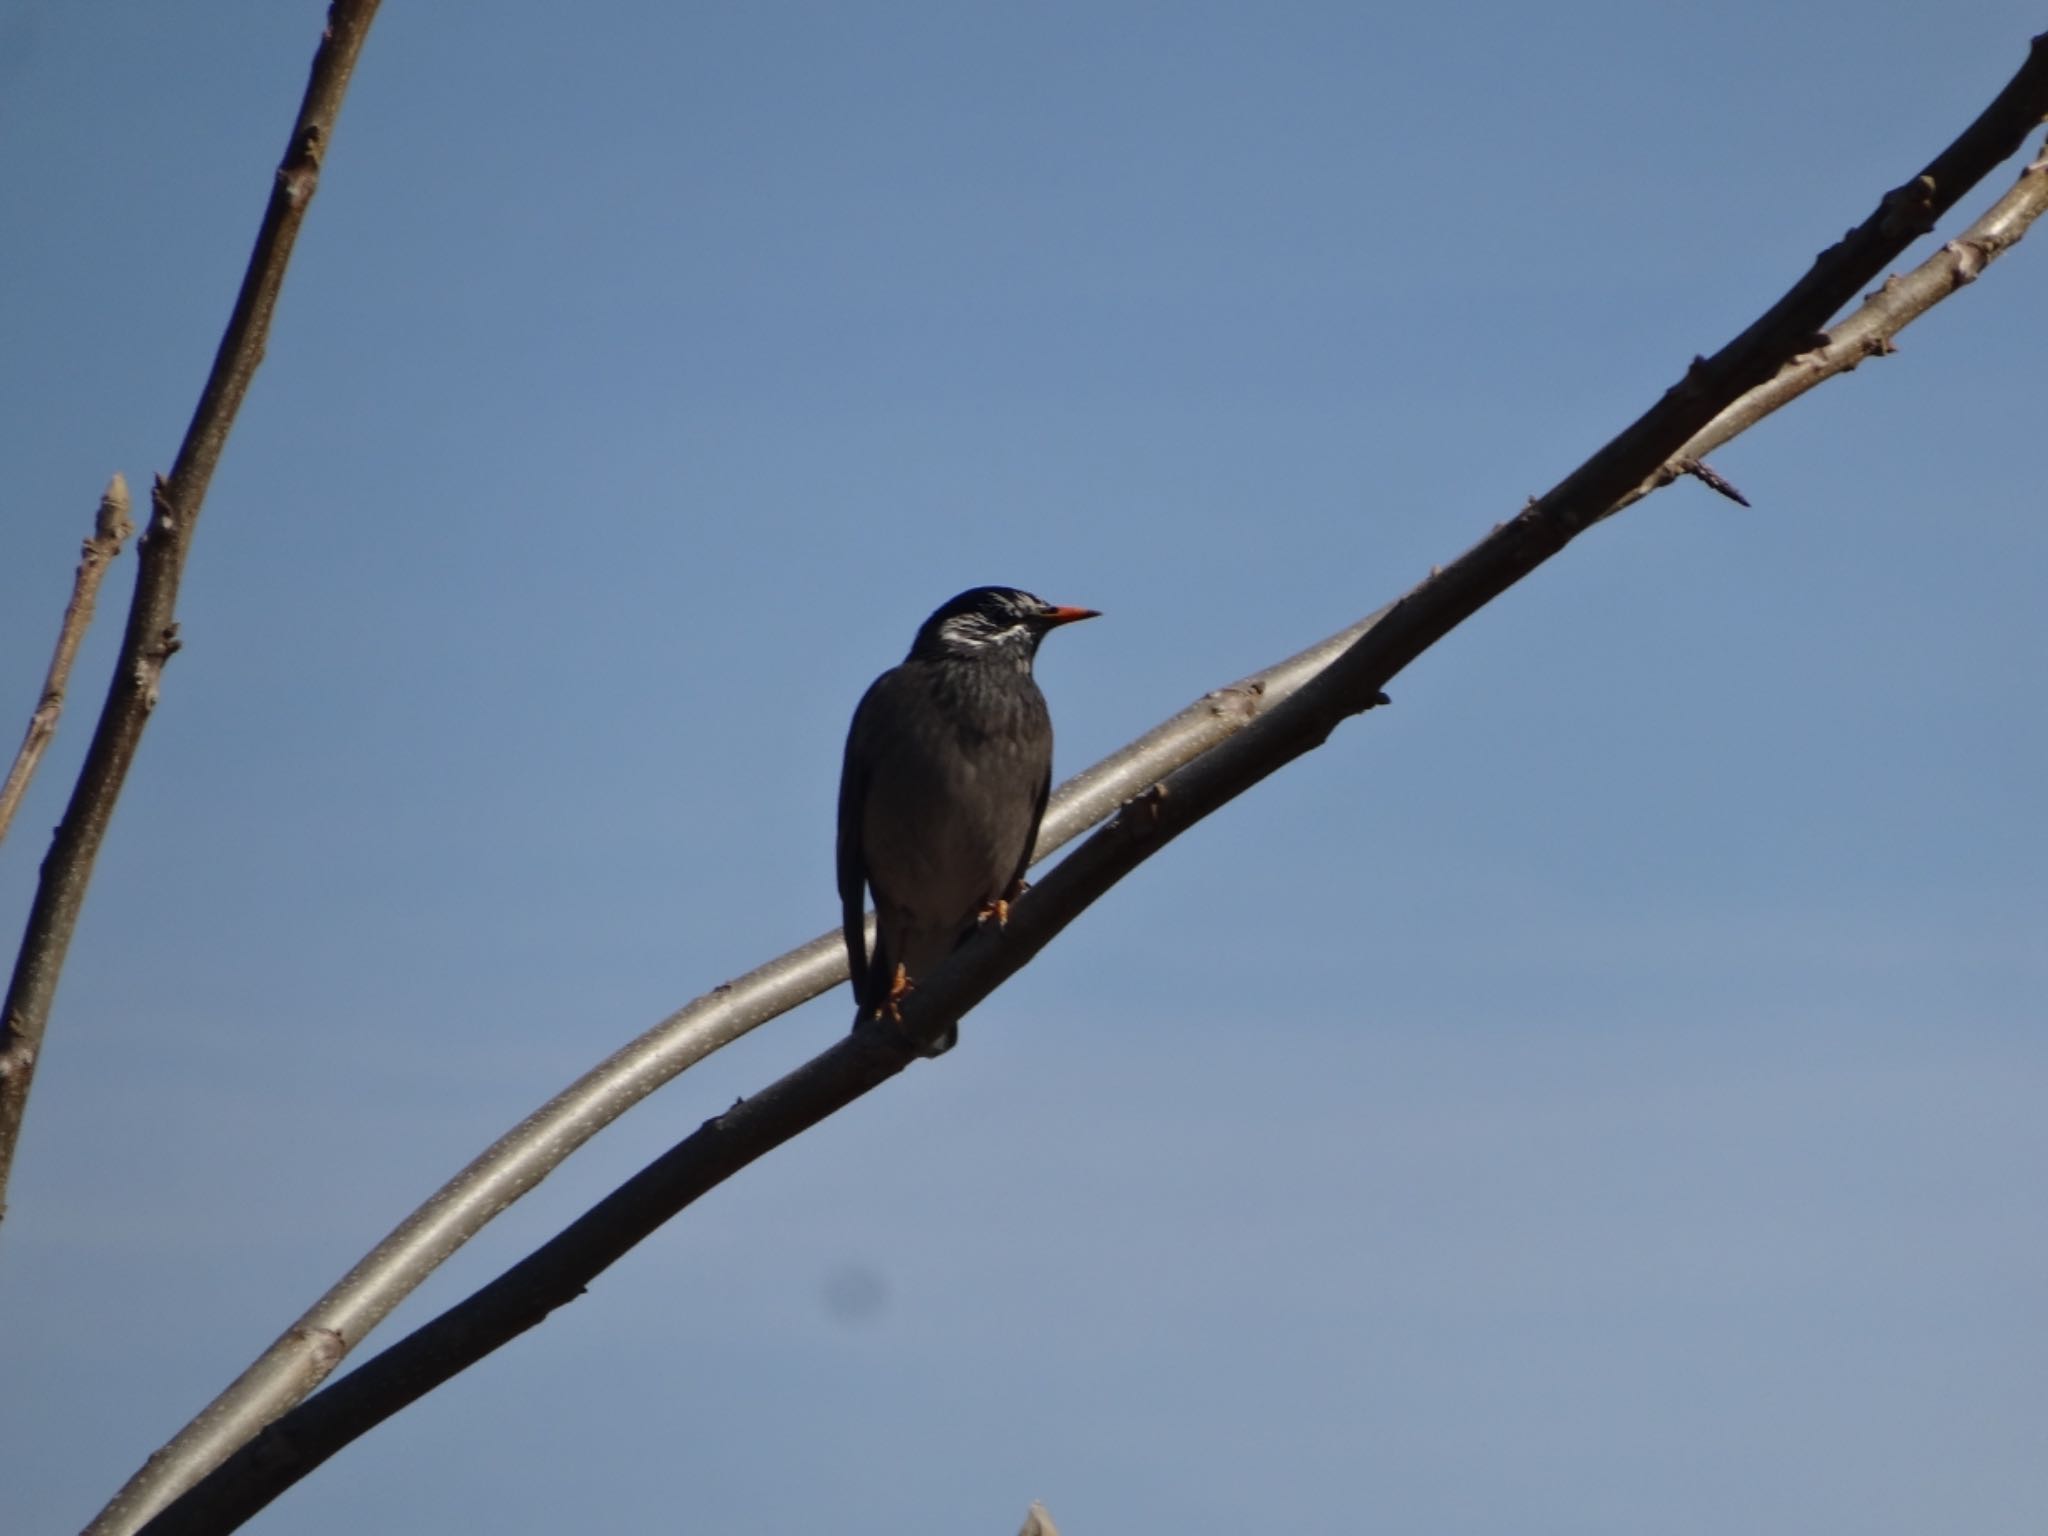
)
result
[(111, 529), (1349, 682), (152, 632)]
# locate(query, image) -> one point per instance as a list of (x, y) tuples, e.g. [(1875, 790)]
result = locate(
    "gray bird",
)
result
[(948, 764)]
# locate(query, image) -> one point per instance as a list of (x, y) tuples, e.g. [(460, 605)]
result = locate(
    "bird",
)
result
[(948, 765)]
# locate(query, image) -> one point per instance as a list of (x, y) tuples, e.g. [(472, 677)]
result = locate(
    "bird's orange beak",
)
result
[(1068, 616)]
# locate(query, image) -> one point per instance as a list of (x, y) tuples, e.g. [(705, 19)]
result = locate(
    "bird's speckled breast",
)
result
[(958, 756)]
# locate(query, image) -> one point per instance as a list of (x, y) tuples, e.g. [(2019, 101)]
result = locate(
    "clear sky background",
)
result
[(1600, 1094)]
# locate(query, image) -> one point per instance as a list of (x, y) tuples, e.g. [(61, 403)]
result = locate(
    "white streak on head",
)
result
[(977, 632)]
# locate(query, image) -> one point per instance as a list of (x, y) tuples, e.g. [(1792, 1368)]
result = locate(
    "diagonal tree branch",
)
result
[(152, 633), (111, 529), (1714, 398)]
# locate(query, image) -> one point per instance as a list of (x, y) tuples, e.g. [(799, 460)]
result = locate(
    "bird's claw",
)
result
[(999, 909), (891, 1006), (888, 1014)]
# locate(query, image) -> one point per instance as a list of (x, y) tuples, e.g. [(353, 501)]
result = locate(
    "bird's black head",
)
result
[(991, 623)]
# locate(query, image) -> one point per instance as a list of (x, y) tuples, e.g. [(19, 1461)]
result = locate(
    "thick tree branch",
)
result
[(111, 529), (152, 633), (1650, 452)]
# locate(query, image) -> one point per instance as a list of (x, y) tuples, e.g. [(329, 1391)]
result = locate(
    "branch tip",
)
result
[(1708, 476), (111, 525), (96, 552)]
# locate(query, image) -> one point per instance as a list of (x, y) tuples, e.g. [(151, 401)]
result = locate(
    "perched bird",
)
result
[(948, 763)]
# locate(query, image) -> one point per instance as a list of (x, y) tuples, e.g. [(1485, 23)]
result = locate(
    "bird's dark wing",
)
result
[(853, 861), (1031, 832)]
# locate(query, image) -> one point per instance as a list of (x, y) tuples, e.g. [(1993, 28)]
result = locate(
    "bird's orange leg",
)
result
[(900, 987), (999, 909)]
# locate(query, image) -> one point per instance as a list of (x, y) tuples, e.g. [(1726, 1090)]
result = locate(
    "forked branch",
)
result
[(151, 636)]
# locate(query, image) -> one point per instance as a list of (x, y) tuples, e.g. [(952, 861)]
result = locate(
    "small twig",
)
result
[(1347, 683), (111, 529), (1707, 475), (152, 633)]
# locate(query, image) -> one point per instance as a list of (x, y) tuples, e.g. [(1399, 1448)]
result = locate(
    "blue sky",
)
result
[(1599, 1093)]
